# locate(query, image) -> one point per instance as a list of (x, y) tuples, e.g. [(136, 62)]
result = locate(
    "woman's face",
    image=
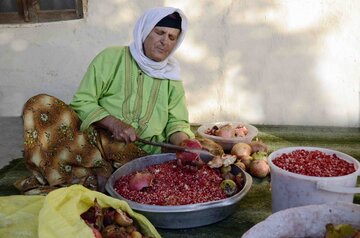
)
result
[(160, 42)]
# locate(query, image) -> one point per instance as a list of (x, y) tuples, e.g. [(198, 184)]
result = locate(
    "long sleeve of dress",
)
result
[(178, 114), (86, 101)]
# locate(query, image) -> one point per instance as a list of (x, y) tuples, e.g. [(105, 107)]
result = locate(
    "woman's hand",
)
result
[(120, 130), (177, 137)]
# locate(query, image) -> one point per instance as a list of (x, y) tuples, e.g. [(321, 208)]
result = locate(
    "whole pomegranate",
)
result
[(259, 168)]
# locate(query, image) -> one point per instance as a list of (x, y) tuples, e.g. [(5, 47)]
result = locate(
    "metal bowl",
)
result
[(182, 216)]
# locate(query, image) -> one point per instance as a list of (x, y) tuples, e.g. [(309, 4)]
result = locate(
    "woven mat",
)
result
[(15, 170)]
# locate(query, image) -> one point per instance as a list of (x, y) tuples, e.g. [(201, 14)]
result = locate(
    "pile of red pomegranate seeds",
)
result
[(175, 185), (314, 163)]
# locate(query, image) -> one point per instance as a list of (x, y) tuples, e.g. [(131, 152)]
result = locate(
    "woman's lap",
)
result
[(59, 154)]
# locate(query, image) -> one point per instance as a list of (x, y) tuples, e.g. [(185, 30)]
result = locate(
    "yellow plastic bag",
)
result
[(58, 214), (19, 216)]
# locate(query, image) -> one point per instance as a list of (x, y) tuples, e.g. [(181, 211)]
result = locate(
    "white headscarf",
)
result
[(168, 68)]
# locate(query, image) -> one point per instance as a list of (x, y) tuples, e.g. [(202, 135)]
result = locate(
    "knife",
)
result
[(205, 155)]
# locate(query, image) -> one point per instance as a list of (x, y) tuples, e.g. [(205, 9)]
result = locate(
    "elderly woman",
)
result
[(127, 92)]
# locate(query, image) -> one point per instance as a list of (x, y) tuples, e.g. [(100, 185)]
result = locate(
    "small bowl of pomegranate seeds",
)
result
[(175, 197), (311, 175), (228, 133)]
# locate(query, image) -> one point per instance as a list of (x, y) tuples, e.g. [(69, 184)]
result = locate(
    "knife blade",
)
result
[(205, 155)]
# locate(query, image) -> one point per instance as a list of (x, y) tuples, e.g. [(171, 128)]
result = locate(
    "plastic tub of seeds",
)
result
[(178, 216), (311, 175)]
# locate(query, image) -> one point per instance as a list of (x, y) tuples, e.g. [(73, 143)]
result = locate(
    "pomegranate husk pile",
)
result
[(110, 222), (251, 157), (228, 131)]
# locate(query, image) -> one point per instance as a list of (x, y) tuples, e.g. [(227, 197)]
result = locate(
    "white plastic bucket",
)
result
[(292, 190)]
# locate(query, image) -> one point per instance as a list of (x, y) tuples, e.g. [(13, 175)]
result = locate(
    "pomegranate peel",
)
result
[(241, 131), (216, 162), (226, 131), (96, 232), (140, 181), (223, 160), (114, 222), (228, 159), (185, 157), (122, 219)]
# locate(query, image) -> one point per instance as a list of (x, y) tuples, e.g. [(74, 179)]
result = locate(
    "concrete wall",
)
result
[(259, 61)]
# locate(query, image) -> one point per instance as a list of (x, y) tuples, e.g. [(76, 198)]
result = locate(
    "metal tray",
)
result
[(182, 216)]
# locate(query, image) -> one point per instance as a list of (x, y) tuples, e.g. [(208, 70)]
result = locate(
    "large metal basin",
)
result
[(182, 216)]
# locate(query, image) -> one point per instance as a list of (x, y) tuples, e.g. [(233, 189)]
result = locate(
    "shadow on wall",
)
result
[(250, 70), (236, 64), (52, 57)]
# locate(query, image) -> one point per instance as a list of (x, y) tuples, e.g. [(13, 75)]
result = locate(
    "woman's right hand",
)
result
[(120, 130)]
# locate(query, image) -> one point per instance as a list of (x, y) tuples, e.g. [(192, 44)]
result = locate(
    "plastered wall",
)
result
[(260, 61)]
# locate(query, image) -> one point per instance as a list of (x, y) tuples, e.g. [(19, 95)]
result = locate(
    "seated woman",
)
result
[(127, 92)]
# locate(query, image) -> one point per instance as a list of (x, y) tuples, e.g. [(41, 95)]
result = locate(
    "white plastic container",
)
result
[(306, 221), (292, 190)]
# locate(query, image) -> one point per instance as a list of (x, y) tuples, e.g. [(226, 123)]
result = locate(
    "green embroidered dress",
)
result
[(115, 85)]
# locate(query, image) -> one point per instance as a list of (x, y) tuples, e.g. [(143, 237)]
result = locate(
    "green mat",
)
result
[(15, 170), (256, 205)]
